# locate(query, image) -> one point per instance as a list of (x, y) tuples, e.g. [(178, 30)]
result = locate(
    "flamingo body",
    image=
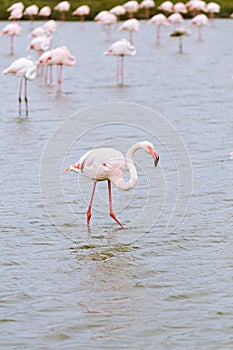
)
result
[(108, 164), (12, 29), (45, 11)]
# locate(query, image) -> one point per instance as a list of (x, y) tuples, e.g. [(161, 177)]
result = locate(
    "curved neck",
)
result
[(128, 185)]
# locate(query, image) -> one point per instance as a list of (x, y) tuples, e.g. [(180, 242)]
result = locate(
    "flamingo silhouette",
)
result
[(103, 164), (25, 68)]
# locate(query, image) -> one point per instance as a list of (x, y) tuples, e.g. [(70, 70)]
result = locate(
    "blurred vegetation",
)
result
[(99, 5)]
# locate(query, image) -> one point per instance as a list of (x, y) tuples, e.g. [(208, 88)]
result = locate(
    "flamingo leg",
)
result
[(51, 75), (199, 34), (158, 35), (90, 205), (122, 69), (131, 37), (25, 96), (180, 44), (110, 205), (117, 70), (12, 45), (59, 78), (20, 92)]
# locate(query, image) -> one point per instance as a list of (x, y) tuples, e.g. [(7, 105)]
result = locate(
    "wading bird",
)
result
[(199, 21), (179, 33), (12, 29), (25, 68), (108, 164), (131, 25), (120, 49)]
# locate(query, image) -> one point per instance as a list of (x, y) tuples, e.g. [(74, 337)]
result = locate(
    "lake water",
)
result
[(148, 286)]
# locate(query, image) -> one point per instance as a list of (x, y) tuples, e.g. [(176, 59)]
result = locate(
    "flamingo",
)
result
[(25, 68), (131, 25), (175, 18), (166, 6), (82, 11), (107, 164), (59, 57), (147, 5), (16, 6), (40, 44), (45, 12), (159, 20), (62, 7), (120, 49), (118, 11), (179, 33), (231, 154), (131, 7), (31, 11), (107, 19), (42, 60), (180, 7), (200, 21), (16, 14), (12, 29), (212, 8), (196, 6)]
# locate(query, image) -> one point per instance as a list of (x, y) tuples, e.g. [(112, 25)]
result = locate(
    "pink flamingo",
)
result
[(159, 20), (120, 49), (59, 57), (62, 7), (175, 18), (212, 8), (107, 19), (31, 11), (82, 11), (147, 5), (16, 14), (108, 164), (199, 21), (118, 11), (196, 6), (45, 12), (42, 61), (131, 25), (25, 68), (166, 6), (180, 7), (131, 7), (12, 29)]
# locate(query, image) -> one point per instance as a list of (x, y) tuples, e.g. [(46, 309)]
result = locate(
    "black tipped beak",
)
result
[(156, 161)]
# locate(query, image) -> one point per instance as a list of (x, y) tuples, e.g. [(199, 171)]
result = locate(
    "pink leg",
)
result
[(51, 75), (131, 38), (199, 34), (90, 205), (117, 70), (12, 45), (147, 13), (46, 75), (59, 76), (110, 205), (158, 35), (122, 69)]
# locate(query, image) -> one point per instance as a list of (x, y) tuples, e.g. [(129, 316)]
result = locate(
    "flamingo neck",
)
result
[(128, 185)]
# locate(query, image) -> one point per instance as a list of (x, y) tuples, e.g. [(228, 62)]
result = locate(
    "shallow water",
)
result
[(66, 288)]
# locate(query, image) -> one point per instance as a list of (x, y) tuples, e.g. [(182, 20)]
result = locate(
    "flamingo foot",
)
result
[(115, 218)]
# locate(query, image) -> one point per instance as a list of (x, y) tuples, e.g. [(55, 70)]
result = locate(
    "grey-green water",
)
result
[(66, 288)]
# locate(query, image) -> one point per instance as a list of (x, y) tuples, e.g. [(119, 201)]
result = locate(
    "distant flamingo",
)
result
[(16, 6), (59, 57), (108, 164), (175, 18), (159, 20), (44, 62), (180, 7), (40, 44), (180, 33), (82, 11), (107, 19), (16, 14), (131, 25), (120, 49), (231, 154), (25, 68), (196, 6), (147, 5), (62, 7), (166, 6), (212, 8), (131, 7), (118, 11), (31, 11), (45, 12), (200, 21), (12, 29)]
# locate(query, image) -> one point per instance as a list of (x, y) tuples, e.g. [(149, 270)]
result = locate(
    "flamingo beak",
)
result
[(67, 170), (155, 156)]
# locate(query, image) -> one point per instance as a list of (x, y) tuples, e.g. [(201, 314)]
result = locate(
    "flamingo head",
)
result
[(75, 168), (149, 148)]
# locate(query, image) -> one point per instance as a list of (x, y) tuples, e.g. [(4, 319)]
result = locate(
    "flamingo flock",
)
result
[(47, 56)]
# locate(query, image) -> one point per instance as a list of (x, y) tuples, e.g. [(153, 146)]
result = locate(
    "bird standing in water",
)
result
[(103, 164), (25, 68)]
